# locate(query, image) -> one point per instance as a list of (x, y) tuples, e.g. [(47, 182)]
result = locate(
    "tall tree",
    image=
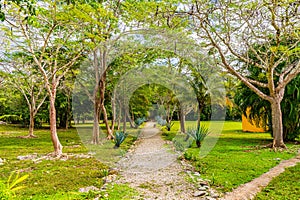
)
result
[(100, 24), (22, 74), (234, 29), (51, 38)]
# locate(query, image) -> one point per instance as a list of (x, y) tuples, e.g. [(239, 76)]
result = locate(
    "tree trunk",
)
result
[(119, 116), (31, 124), (200, 108), (124, 120), (96, 131), (130, 120), (182, 120), (119, 123), (277, 124), (102, 100), (56, 144), (68, 117), (113, 119), (105, 119), (78, 119), (132, 125)]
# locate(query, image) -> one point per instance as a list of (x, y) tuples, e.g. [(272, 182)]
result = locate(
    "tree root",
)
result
[(275, 148)]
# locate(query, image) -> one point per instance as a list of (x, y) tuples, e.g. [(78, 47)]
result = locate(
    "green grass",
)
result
[(284, 187), (236, 158), (57, 179)]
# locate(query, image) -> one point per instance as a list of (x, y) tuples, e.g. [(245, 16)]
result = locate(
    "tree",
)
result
[(260, 112), (51, 39), (22, 75), (26, 6), (234, 29), (100, 23), (11, 103)]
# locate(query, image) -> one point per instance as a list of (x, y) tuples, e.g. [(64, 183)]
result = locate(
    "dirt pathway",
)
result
[(153, 169), (250, 189)]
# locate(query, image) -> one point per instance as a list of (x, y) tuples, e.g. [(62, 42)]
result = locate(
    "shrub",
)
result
[(160, 121), (120, 136), (169, 126), (139, 122), (198, 134), (181, 143), (11, 118)]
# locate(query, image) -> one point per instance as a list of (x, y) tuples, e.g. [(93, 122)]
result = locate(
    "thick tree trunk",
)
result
[(56, 144), (277, 125), (31, 124), (200, 108)]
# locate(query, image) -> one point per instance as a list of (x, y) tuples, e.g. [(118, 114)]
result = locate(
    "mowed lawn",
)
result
[(237, 157), (55, 179), (284, 187)]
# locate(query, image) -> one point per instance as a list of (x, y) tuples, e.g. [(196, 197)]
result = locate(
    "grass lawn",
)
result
[(236, 158), (284, 187), (55, 179)]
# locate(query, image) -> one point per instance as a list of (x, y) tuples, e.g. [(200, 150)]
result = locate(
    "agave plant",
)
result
[(120, 136), (160, 120), (198, 134), (139, 121), (169, 126)]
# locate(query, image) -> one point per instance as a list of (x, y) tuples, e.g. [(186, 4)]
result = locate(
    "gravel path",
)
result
[(153, 169)]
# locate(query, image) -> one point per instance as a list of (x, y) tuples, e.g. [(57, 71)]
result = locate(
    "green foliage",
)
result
[(26, 6), (160, 120), (198, 134), (120, 136), (8, 190), (169, 125), (11, 118), (119, 191), (181, 142), (237, 157), (51, 179), (139, 122), (261, 109)]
